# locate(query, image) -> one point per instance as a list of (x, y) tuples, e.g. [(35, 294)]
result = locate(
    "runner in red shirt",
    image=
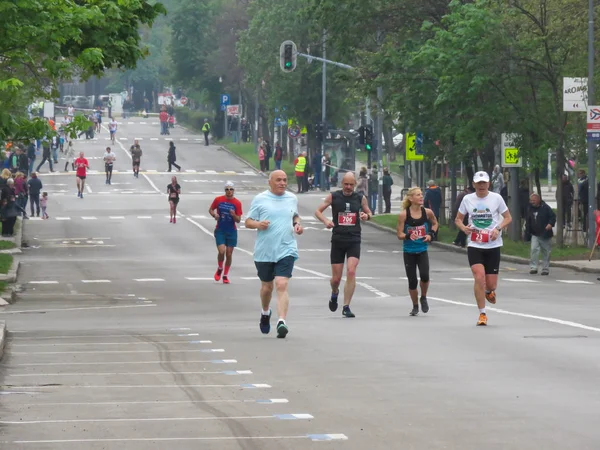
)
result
[(227, 211), (81, 164), (164, 122)]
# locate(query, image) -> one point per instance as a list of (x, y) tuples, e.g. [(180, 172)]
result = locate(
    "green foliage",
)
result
[(193, 119), (45, 41)]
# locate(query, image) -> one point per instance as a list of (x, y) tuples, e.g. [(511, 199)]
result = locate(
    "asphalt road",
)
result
[(122, 340)]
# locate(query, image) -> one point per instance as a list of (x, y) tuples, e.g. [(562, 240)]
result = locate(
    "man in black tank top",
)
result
[(348, 209)]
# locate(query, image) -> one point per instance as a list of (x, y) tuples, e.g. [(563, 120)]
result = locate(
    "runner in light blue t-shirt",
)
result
[(274, 213)]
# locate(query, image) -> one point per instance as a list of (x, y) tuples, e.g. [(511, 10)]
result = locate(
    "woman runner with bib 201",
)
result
[(488, 215), (417, 226)]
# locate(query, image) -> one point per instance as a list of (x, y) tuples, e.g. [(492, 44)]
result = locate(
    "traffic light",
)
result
[(287, 56), (319, 131), (361, 135), (368, 138)]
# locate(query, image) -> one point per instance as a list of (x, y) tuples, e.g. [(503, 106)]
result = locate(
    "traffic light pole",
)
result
[(323, 109), (591, 147), (379, 134)]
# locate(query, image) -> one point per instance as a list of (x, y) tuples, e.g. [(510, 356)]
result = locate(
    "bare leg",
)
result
[(336, 277), (266, 291), (424, 288), (491, 282), (221, 254), (351, 265), (479, 286), (229, 255), (283, 299)]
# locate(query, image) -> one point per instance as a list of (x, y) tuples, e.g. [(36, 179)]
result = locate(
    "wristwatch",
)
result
[(498, 228)]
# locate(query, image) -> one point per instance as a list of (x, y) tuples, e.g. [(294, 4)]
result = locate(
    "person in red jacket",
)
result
[(164, 121)]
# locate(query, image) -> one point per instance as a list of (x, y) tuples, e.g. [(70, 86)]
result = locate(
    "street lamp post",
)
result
[(591, 144), (224, 114)]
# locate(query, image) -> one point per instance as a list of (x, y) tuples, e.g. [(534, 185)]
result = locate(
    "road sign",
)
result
[(510, 152), (575, 94), (419, 145), (279, 122), (593, 123), (225, 99), (294, 132), (411, 148), (183, 100), (223, 107), (233, 110)]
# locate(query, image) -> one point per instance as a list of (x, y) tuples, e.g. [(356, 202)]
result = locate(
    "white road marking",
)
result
[(372, 289), (574, 282), (211, 350), (320, 437), (527, 316), (462, 279), (144, 280), (43, 282), (89, 218), (109, 343), (95, 281), (102, 336), (88, 188), (62, 218), (116, 217), (102, 363), (199, 279), (144, 217), (106, 374), (74, 309), (520, 280), (269, 401), (142, 386)]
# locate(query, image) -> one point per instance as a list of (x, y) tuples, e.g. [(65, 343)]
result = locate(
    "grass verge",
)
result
[(5, 262), (246, 152), (6, 245), (509, 247)]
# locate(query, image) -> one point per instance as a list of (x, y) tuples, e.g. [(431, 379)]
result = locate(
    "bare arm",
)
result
[(400, 227), (319, 212), (252, 224), (435, 226), (506, 220), (366, 214), (459, 223)]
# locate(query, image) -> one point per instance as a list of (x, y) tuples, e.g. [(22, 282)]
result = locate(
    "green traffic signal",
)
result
[(368, 147), (288, 64)]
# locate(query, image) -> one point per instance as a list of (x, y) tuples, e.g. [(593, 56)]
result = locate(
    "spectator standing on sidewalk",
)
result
[(206, 130), (268, 154), (262, 157), (584, 196), (278, 157), (568, 194), (373, 189), (461, 238), (300, 168), (433, 198), (362, 185), (538, 230), (387, 190), (326, 172)]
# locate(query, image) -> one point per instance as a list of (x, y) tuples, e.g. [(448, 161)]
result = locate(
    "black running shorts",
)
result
[(488, 257), (342, 250), (267, 271)]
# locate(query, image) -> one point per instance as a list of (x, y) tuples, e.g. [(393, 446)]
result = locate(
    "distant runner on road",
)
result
[(488, 215), (173, 191), (348, 209), (81, 166), (227, 211), (274, 213), (136, 157), (109, 159), (417, 226), (112, 127)]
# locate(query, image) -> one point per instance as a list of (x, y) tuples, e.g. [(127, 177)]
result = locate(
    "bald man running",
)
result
[(348, 209)]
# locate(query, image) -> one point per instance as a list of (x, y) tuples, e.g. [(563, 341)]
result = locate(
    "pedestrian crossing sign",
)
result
[(511, 156), (412, 152)]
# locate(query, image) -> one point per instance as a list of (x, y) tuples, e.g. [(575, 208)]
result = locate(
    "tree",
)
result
[(44, 42)]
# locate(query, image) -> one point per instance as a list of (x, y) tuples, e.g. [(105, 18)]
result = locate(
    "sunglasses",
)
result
[(229, 189)]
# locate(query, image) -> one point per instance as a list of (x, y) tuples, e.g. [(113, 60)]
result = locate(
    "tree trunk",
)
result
[(389, 145), (538, 184), (560, 168)]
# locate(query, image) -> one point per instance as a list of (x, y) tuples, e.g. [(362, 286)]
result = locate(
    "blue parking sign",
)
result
[(225, 99)]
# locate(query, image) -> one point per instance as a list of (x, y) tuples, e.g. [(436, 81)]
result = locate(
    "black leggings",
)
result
[(411, 262)]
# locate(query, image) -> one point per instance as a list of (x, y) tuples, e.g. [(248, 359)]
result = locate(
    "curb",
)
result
[(508, 258), (2, 338), (239, 158)]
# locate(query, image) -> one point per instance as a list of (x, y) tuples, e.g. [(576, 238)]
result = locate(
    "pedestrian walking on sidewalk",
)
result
[(206, 131), (373, 188), (35, 186), (44, 205), (274, 213), (433, 198), (538, 229)]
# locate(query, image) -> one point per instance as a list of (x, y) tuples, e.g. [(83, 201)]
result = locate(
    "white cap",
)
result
[(229, 184), (481, 176)]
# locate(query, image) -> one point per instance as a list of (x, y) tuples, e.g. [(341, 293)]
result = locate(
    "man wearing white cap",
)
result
[(488, 215), (227, 211)]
